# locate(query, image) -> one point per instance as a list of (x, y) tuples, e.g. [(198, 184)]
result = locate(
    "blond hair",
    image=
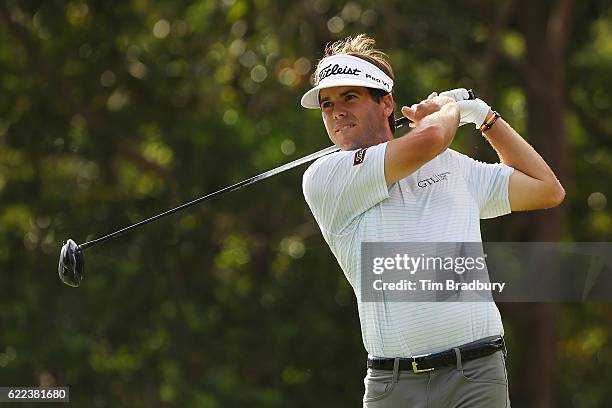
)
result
[(362, 47)]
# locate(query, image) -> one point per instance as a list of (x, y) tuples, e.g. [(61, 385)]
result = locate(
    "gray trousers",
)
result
[(482, 382)]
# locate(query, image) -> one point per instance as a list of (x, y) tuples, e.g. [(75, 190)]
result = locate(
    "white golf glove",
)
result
[(471, 110)]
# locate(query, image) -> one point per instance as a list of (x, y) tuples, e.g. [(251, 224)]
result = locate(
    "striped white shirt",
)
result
[(443, 201)]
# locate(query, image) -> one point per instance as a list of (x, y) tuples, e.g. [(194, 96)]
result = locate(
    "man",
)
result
[(444, 354)]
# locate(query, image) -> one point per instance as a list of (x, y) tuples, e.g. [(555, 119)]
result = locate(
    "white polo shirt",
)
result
[(443, 201)]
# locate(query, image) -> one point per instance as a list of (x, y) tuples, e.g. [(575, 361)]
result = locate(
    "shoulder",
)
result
[(322, 165), (334, 172), (450, 154), (317, 174), (448, 159), (460, 160), (342, 161)]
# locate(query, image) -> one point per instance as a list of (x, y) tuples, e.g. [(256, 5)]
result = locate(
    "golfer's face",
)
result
[(352, 118)]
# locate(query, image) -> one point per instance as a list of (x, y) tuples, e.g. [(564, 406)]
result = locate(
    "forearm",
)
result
[(446, 120), (533, 185), (515, 152)]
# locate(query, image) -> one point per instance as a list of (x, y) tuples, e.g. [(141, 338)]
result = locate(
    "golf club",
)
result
[(71, 266)]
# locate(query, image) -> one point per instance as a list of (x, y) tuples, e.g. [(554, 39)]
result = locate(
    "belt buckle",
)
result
[(414, 364)]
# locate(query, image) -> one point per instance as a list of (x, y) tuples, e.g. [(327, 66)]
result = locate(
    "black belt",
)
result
[(429, 362)]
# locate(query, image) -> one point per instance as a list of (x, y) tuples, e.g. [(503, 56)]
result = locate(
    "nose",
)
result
[(339, 111)]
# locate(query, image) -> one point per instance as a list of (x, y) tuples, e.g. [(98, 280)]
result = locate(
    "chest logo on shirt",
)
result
[(359, 156), (436, 178)]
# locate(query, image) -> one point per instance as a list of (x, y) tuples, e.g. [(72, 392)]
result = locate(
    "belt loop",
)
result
[(458, 355), (396, 362)]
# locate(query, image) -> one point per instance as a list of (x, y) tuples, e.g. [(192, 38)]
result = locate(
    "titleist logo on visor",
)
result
[(337, 70), (345, 70)]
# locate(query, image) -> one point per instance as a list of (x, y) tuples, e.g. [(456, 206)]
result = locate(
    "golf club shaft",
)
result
[(402, 121), (254, 179)]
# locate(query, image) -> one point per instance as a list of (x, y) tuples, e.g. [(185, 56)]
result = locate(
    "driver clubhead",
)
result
[(71, 264)]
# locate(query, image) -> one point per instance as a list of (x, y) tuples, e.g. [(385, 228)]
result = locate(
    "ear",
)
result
[(388, 103)]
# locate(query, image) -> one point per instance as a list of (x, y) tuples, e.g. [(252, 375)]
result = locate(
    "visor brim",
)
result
[(310, 99)]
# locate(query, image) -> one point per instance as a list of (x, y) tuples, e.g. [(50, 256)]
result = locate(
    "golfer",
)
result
[(416, 189)]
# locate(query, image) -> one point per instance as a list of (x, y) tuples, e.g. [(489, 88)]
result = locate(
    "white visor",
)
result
[(345, 70)]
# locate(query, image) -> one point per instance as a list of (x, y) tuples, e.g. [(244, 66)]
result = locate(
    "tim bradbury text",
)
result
[(429, 285)]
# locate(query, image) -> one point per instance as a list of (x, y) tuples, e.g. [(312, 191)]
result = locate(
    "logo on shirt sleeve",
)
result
[(359, 156)]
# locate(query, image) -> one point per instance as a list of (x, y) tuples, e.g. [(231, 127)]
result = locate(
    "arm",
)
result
[(532, 185), (435, 124)]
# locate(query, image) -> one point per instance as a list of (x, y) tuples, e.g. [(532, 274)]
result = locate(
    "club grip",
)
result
[(403, 121)]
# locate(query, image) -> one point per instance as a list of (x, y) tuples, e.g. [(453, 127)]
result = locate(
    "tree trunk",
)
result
[(545, 31)]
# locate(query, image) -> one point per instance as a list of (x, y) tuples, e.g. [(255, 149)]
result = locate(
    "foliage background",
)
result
[(111, 111)]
